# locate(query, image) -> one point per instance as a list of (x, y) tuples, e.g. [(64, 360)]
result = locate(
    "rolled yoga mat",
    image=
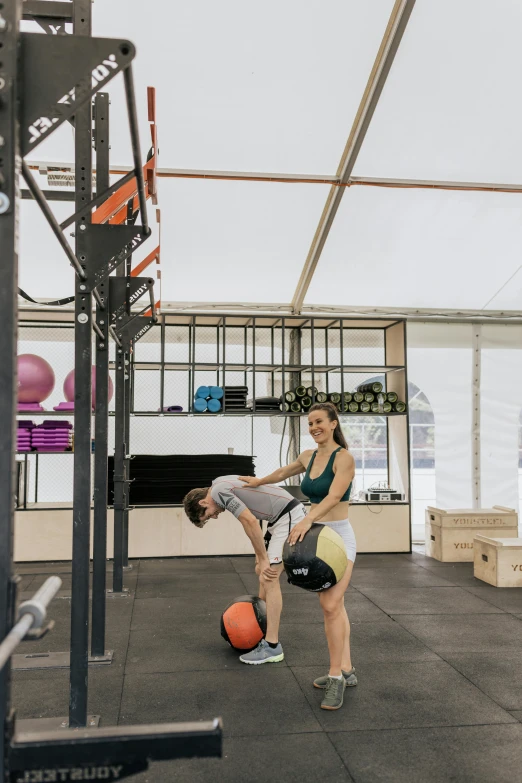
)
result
[(203, 392), (200, 405), (216, 392), (214, 405)]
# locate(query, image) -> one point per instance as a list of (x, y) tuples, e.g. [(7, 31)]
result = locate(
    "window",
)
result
[(367, 441), (422, 458), (422, 429)]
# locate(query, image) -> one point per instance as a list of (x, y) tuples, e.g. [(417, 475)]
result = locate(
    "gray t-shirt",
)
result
[(266, 502)]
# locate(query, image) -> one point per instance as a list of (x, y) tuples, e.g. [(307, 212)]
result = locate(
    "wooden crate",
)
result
[(450, 532), (498, 561)]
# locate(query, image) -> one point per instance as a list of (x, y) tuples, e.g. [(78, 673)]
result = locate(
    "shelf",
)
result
[(266, 367), (181, 414), (29, 414), (271, 414), (305, 503), (380, 503), (23, 453)]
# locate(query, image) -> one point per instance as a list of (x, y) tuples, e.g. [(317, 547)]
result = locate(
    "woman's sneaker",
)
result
[(349, 678), (334, 694), (263, 653)]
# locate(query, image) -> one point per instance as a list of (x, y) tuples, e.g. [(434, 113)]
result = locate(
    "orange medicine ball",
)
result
[(243, 623)]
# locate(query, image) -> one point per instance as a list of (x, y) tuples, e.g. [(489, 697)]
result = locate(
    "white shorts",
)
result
[(280, 531), (345, 530)]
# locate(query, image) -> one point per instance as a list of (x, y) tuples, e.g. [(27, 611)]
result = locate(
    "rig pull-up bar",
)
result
[(135, 141)]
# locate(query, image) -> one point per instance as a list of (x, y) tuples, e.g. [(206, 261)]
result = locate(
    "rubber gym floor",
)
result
[(437, 652)]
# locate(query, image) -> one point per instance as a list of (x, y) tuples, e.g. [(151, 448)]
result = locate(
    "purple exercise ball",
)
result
[(68, 386), (35, 378)]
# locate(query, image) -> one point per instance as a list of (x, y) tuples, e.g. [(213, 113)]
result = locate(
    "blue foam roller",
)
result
[(214, 406), (200, 405), (203, 392), (216, 392)]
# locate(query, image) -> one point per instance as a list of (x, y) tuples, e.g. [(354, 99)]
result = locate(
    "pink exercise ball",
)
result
[(68, 386), (35, 378)]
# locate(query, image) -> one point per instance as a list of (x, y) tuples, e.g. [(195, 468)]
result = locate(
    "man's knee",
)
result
[(269, 584)]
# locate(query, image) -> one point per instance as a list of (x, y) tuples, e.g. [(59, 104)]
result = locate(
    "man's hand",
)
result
[(251, 481), (266, 570), (298, 532)]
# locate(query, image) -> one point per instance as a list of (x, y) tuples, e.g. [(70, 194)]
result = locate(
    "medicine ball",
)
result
[(243, 623), (318, 561)]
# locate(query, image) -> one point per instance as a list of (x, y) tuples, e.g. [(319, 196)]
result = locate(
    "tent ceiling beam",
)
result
[(30, 312), (312, 179), (390, 43)]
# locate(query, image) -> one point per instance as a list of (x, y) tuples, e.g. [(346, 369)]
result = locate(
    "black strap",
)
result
[(287, 509), (57, 303)]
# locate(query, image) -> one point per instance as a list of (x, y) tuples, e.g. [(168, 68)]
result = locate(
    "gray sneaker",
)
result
[(334, 694), (349, 678), (263, 653)]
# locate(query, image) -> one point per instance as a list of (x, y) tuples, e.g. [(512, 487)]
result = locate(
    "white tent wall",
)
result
[(501, 403), (440, 363)]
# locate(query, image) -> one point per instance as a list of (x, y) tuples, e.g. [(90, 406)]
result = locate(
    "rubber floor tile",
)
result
[(483, 633), (427, 600), (305, 645), (305, 608), (507, 598), (243, 564), (496, 675), (403, 695), (298, 758), (165, 585), (409, 576), (154, 613), (187, 647), (187, 565), (419, 558), (382, 561), (45, 693), (466, 754), (253, 700), (458, 575)]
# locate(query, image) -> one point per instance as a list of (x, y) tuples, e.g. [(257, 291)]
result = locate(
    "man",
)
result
[(251, 505)]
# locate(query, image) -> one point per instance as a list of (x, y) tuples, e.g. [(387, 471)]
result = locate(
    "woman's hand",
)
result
[(251, 481), (298, 532)]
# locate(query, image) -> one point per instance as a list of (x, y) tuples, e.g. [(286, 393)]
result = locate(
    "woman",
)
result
[(330, 470)]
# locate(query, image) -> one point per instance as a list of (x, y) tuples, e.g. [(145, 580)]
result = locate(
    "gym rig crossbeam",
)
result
[(46, 80)]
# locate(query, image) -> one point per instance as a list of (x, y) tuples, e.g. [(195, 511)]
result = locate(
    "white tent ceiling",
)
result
[(276, 89)]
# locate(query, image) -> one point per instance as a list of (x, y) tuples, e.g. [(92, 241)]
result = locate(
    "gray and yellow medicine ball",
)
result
[(318, 561)]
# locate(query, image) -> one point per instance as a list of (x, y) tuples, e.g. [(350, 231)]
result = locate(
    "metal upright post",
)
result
[(126, 436), (10, 138), (101, 434), (119, 476), (82, 408)]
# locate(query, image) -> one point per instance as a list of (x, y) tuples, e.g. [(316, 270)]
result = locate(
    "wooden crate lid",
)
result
[(507, 543), (475, 512)]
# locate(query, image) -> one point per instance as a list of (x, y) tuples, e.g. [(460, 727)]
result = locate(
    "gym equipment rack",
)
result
[(46, 80)]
